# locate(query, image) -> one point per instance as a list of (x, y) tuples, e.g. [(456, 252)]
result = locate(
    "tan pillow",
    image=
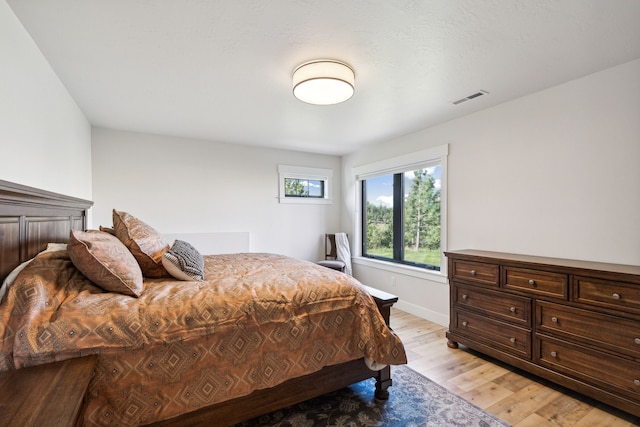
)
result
[(145, 243), (107, 230), (105, 261)]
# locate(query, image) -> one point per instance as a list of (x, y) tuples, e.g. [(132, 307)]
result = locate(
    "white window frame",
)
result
[(301, 172), (390, 166)]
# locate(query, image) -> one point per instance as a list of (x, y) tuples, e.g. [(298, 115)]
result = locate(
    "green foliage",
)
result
[(379, 227), (421, 256), (294, 187), (422, 213)]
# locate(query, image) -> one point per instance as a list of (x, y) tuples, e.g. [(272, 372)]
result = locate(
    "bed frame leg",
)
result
[(384, 301), (383, 382)]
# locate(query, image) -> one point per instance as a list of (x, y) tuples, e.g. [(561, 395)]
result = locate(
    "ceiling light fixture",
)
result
[(323, 82)]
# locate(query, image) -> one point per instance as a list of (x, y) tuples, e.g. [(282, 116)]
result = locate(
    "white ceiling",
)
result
[(221, 69)]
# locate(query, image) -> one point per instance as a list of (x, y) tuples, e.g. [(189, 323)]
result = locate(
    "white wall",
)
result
[(180, 185), (555, 173), (45, 139)]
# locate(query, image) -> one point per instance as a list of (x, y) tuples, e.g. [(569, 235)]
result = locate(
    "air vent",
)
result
[(470, 97)]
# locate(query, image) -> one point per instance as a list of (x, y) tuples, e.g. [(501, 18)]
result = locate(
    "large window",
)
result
[(401, 217), (403, 207)]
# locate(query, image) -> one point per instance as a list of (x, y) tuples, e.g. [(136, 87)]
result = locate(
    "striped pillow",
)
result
[(184, 262)]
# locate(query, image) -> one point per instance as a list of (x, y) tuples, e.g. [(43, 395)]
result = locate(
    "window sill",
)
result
[(305, 200), (421, 273)]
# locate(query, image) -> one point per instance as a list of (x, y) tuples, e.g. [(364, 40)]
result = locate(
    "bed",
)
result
[(261, 332)]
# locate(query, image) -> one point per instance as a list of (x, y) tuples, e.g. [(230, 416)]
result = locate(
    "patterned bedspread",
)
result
[(257, 320)]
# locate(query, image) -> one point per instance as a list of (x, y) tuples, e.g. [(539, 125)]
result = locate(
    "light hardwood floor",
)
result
[(514, 396)]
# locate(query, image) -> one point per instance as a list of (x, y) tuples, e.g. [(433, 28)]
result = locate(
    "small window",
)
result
[(297, 187), (305, 185)]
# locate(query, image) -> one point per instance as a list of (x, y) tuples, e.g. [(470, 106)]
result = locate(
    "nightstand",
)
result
[(46, 395)]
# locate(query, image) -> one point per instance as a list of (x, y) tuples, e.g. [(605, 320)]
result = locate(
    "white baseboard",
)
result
[(416, 310)]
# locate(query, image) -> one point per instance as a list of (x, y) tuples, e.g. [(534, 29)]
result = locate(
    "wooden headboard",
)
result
[(30, 218)]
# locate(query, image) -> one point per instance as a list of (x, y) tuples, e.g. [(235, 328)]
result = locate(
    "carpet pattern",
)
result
[(414, 401)]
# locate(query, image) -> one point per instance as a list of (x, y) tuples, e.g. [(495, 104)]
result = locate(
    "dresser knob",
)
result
[(532, 282), (512, 309), (473, 272), (465, 324), (636, 340), (636, 382), (465, 296), (616, 296), (554, 319), (554, 354), (513, 340)]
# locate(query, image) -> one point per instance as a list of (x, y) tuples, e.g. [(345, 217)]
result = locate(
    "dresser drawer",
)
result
[(500, 335), (476, 272), (536, 282), (601, 369), (609, 294), (611, 332), (506, 307)]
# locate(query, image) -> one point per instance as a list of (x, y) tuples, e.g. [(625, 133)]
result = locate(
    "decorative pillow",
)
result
[(105, 261), (184, 262), (107, 230), (145, 243)]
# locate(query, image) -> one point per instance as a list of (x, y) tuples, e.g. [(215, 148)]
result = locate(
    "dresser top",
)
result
[(585, 266)]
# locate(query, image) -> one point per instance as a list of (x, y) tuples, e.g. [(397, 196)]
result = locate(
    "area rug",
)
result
[(414, 401)]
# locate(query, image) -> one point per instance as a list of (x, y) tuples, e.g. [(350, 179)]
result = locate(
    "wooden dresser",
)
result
[(575, 323)]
